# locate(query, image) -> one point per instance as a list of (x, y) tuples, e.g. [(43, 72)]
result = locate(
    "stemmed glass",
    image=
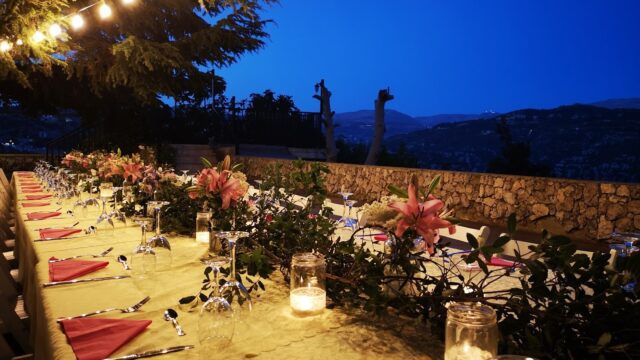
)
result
[(349, 221), (216, 322), (106, 192), (159, 242), (116, 213), (143, 259), (345, 197), (234, 289)]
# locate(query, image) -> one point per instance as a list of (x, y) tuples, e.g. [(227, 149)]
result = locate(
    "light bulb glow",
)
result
[(104, 11), (37, 37), (77, 21), (19, 42), (128, 2), (55, 30), (5, 46)]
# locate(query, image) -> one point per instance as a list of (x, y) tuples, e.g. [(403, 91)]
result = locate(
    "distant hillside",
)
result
[(629, 103), (357, 126), (579, 141)]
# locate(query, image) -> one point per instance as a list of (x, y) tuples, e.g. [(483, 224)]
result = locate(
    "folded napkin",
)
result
[(38, 197), (57, 233), (93, 338), (380, 237), (496, 261), (28, 183), (35, 204), (71, 269), (23, 175), (30, 191), (42, 215)]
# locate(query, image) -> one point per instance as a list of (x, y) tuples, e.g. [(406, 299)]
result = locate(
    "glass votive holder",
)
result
[(308, 295), (106, 190), (471, 332), (203, 233)]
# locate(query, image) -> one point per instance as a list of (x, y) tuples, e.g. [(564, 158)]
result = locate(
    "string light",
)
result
[(5, 46), (104, 11), (37, 37), (77, 22), (55, 30)]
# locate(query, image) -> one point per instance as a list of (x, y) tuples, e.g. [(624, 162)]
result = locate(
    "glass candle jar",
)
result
[(471, 332), (308, 295), (203, 232)]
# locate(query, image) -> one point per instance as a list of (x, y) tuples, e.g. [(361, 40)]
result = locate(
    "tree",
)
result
[(327, 118), (515, 156), (146, 51), (268, 102), (384, 95)]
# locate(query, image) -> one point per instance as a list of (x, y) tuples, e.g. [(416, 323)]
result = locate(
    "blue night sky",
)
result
[(447, 56)]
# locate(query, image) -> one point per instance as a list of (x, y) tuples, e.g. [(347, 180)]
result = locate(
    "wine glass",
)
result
[(159, 243), (106, 192), (143, 259), (345, 196), (349, 221), (216, 323), (233, 289)]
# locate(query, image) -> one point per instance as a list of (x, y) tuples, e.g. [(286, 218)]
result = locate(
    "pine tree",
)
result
[(147, 50)]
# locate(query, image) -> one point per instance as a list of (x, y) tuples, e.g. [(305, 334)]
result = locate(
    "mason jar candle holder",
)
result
[(308, 295), (471, 332), (203, 233)]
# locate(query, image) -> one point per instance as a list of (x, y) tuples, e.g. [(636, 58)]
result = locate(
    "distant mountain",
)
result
[(579, 141), (629, 103), (357, 126)]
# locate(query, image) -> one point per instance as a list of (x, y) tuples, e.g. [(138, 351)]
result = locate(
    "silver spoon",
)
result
[(172, 315), (123, 260)]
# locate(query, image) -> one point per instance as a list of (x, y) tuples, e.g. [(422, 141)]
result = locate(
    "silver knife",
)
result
[(61, 238), (54, 283), (153, 353)]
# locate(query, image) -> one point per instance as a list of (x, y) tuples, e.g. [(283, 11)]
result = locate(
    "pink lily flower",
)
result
[(423, 217), (132, 170)]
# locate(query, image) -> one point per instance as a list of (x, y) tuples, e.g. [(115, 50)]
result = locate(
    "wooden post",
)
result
[(375, 149), (327, 118)]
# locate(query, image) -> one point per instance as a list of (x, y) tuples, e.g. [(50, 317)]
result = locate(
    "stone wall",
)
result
[(584, 210)]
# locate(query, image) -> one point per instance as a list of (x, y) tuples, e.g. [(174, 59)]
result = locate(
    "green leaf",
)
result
[(604, 339), (483, 266), (187, 299), (501, 241), (206, 163), (511, 223), (472, 240), (397, 191), (433, 185)]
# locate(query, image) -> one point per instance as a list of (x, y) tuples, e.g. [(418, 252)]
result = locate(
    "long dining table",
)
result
[(270, 332)]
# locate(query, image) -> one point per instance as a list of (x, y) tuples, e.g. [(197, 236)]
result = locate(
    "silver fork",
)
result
[(102, 254), (130, 309)]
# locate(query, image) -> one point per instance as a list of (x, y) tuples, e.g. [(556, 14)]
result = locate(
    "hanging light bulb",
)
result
[(104, 11), (37, 37), (55, 30), (5, 46), (77, 21)]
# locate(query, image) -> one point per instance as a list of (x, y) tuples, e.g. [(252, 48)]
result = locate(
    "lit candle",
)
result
[(465, 351), (308, 300), (202, 237)]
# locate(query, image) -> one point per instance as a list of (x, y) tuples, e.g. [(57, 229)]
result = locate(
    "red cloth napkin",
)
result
[(42, 215), (496, 261), (380, 237), (93, 338), (35, 204), (30, 191), (29, 184), (27, 175), (57, 233), (71, 269), (38, 197)]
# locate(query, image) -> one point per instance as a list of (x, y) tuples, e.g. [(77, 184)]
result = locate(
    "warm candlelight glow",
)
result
[(106, 193), (37, 37), (202, 237), (77, 21), (55, 30), (104, 11), (308, 300), (465, 351), (5, 46)]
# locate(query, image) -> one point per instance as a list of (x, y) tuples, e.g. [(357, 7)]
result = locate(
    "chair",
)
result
[(14, 318), (4, 182)]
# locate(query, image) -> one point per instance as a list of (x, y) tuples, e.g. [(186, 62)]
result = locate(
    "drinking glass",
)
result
[(216, 323), (143, 259), (127, 192), (345, 196), (349, 221), (106, 193), (159, 243), (233, 289)]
